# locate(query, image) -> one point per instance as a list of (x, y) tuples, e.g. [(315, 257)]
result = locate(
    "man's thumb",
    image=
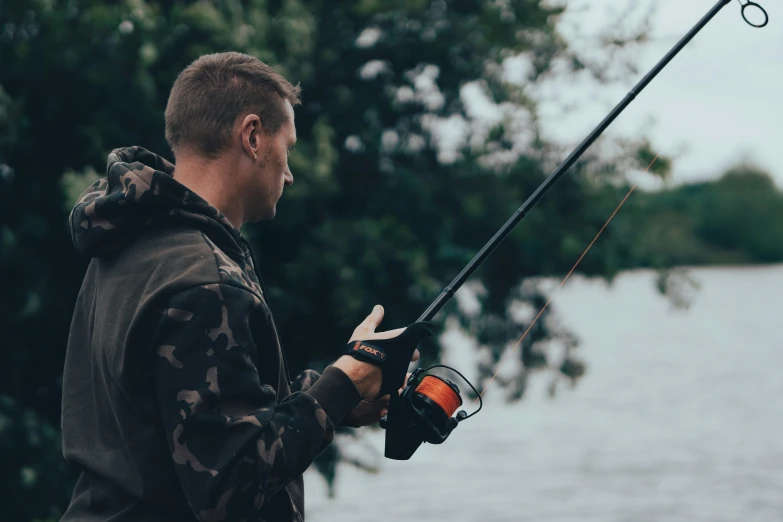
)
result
[(375, 317)]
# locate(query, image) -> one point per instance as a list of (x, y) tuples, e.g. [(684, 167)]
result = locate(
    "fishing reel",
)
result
[(423, 413)]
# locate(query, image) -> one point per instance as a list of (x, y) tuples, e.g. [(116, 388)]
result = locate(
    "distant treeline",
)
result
[(737, 219)]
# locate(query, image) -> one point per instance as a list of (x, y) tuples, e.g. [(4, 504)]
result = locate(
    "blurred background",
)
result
[(650, 389)]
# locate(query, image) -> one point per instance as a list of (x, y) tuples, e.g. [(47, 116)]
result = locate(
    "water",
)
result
[(680, 418)]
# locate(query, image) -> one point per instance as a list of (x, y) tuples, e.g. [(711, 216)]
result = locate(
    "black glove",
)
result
[(392, 355)]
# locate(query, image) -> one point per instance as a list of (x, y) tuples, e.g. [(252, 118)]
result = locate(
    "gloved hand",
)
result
[(390, 351)]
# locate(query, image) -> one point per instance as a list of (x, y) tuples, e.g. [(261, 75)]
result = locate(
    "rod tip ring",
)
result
[(757, 6)]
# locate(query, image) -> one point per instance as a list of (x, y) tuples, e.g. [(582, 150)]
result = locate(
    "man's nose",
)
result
[(289, 179)]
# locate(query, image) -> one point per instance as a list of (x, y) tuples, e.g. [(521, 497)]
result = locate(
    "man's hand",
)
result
[(370, 411), (367, 377)]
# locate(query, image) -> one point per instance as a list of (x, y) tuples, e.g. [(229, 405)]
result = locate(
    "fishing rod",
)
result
[(423, 411), (484, 253)]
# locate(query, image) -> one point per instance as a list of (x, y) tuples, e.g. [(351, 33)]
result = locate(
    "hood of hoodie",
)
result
[(139, 192)]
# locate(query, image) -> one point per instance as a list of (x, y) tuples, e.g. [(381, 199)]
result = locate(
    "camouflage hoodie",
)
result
[(177, 403)]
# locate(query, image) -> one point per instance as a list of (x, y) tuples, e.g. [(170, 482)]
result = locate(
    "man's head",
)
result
[(234, 109)]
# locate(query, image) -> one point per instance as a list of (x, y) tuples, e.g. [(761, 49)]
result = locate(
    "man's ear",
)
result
[(251, 135)]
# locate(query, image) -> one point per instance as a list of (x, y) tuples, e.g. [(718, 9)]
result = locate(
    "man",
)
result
[(177, 402)]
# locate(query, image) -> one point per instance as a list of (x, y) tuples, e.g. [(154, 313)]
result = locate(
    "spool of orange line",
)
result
[(440, 392)]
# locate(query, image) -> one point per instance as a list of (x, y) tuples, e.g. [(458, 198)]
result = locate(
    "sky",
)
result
[(717, 103)]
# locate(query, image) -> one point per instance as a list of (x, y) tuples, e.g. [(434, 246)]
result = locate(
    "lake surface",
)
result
[(679, 418)]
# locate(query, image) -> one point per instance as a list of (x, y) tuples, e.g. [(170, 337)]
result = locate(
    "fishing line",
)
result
[(569, 273), (440, 392)]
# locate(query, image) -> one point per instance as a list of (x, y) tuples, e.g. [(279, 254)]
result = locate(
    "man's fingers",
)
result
[(407, 376), (374, 319), (366, 328)]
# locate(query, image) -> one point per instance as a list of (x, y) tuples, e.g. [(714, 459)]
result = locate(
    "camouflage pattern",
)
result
[(229, 435), (138, 192), (305, 380), (177, 402), (240, 273)]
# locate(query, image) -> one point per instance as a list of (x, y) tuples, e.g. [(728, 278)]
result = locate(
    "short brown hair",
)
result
[(216, 89)]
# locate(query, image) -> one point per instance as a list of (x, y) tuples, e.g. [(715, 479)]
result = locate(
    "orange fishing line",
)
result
[(570, 272), (441, 393)]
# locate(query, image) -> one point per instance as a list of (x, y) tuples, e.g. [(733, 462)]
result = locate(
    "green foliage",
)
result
[(35, 480)]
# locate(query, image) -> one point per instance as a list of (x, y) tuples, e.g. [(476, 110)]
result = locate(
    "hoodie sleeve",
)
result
[(305, 380), (234, 445)]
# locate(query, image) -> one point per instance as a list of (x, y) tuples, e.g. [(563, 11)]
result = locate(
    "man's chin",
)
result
[(269, 214)]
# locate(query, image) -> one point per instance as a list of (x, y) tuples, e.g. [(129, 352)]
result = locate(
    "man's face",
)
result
[(271, 173)]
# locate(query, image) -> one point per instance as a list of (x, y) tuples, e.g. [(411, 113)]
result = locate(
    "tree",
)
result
[(385, 209)]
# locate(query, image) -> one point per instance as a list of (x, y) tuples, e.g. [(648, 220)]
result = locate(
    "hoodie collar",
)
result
[(139, 192)]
